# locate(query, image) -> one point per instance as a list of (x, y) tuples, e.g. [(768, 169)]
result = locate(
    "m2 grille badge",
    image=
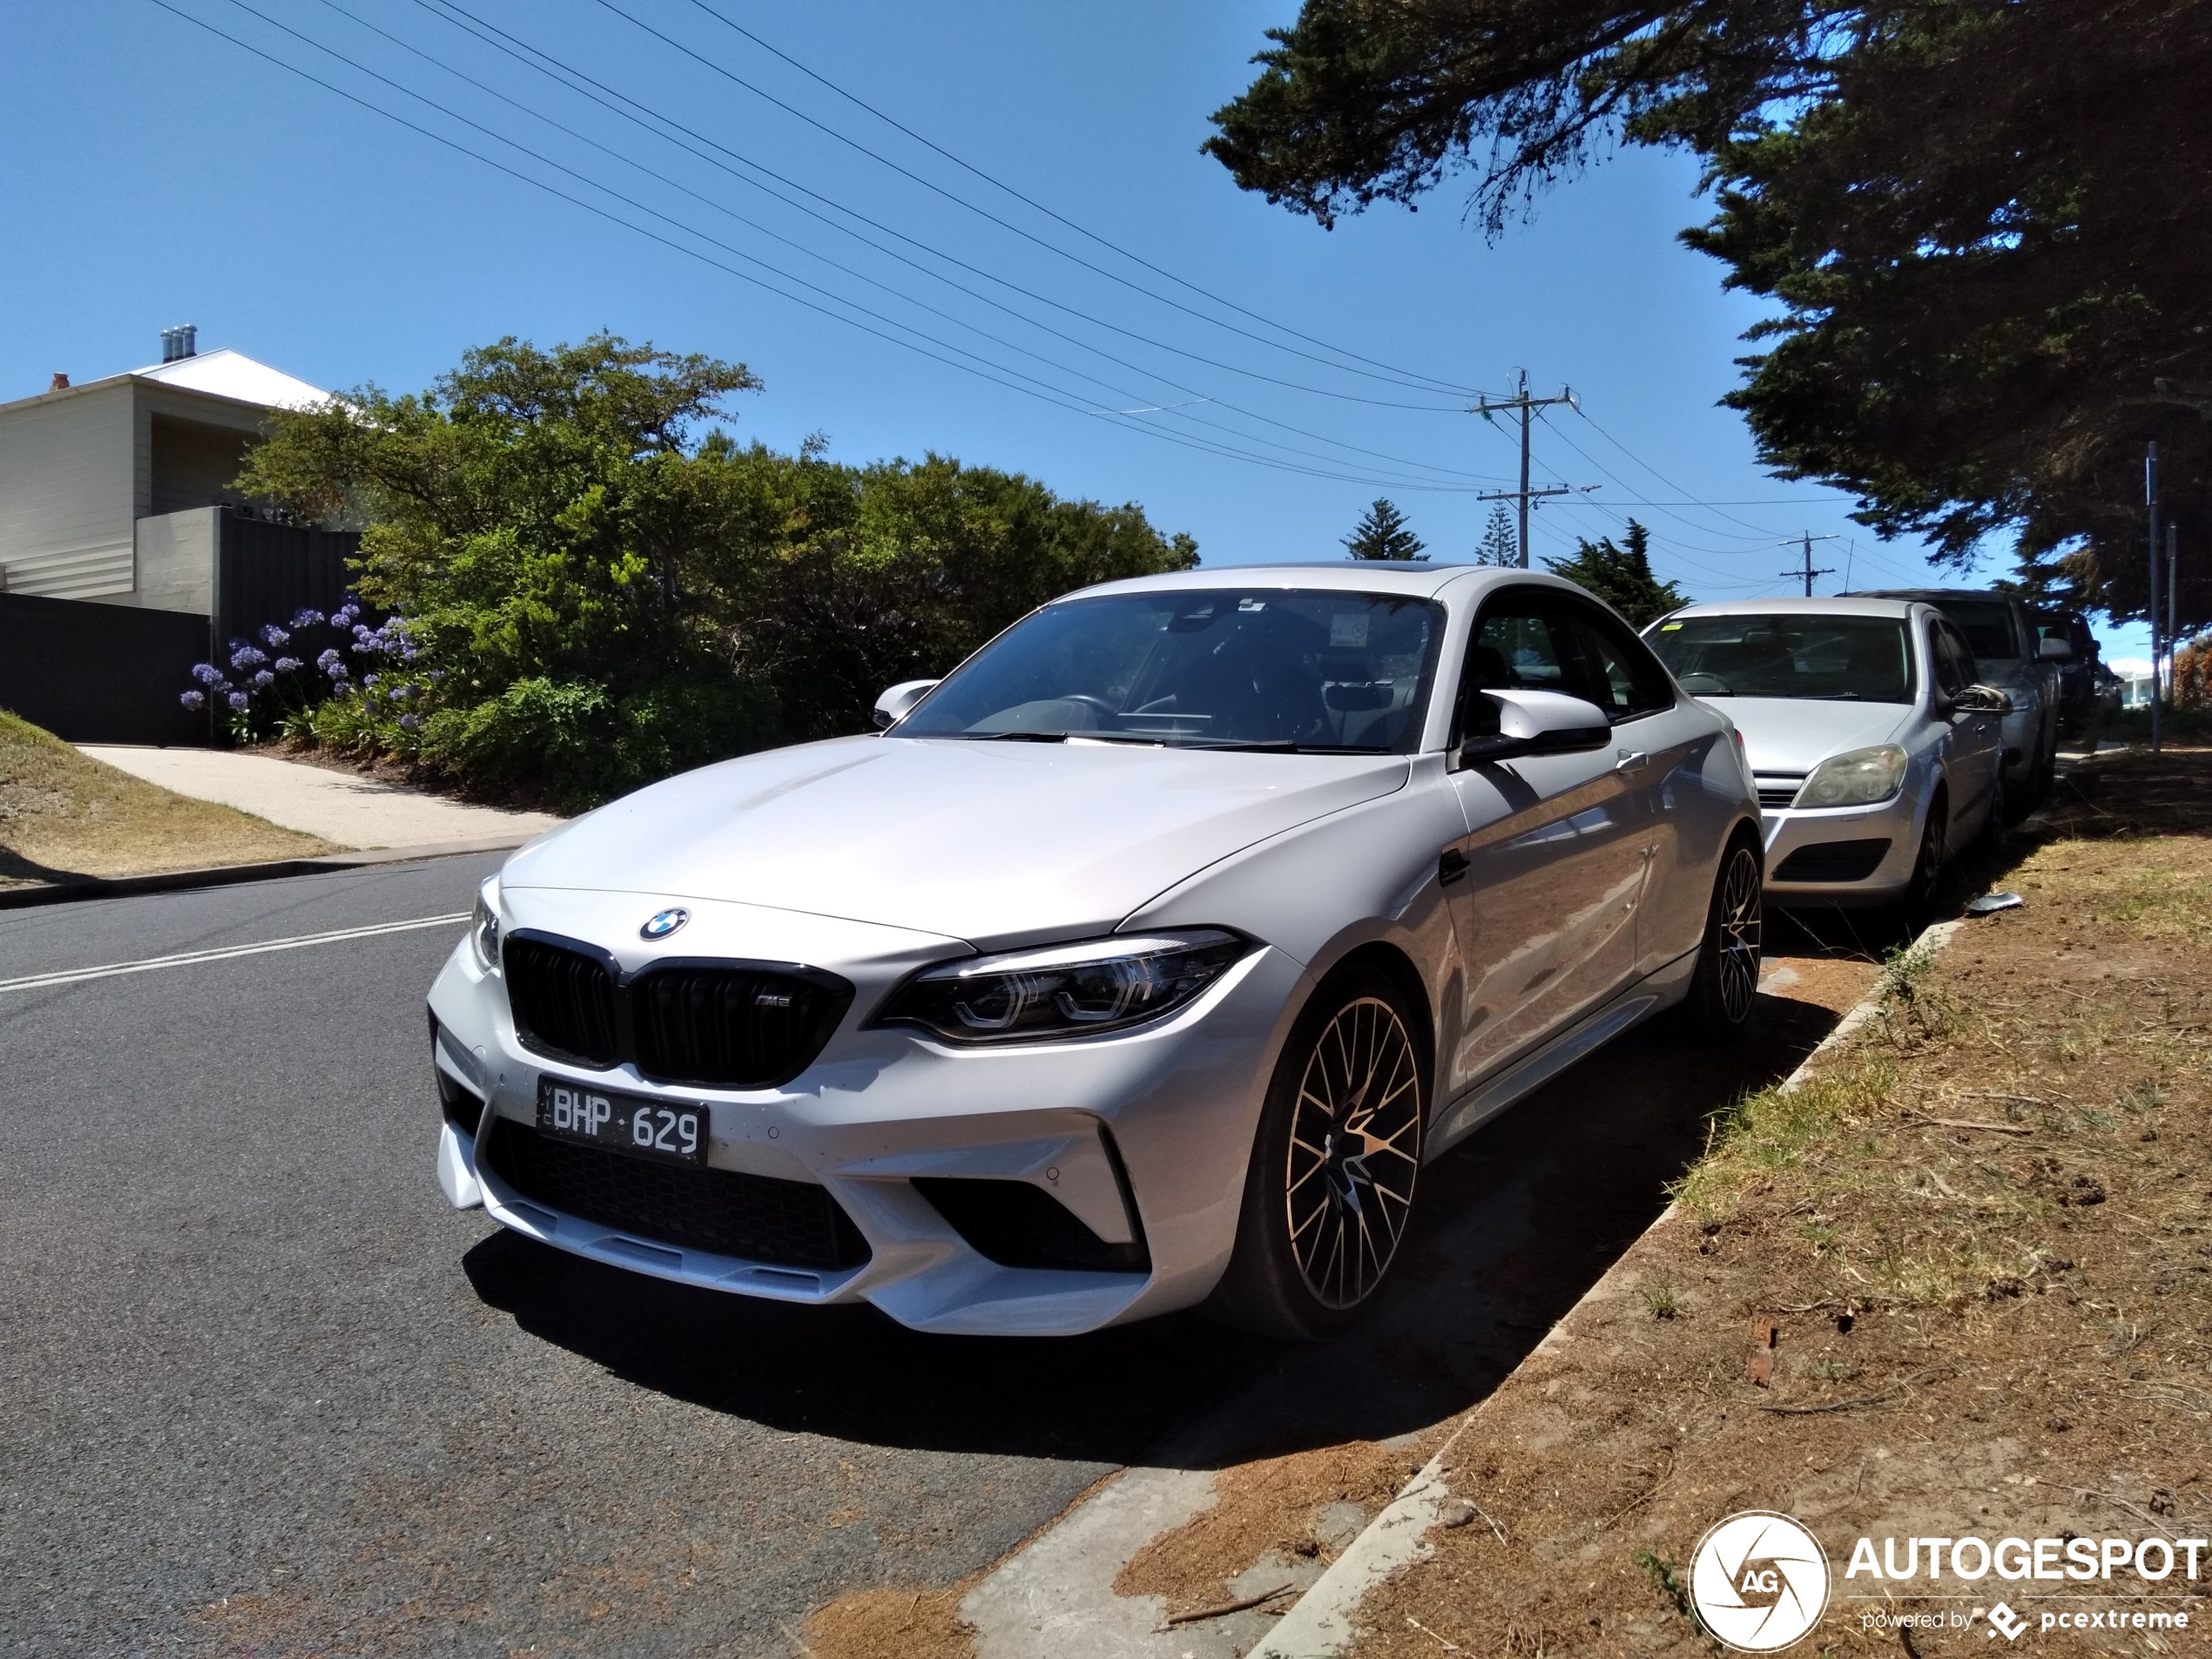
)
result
[(665, 923)]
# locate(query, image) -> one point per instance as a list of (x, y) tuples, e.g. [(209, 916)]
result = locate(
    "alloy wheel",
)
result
[(1354, 1151), (1743, 931)]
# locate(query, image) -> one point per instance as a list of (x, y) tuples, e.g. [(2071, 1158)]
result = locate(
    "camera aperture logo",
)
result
[(1759, 1580)]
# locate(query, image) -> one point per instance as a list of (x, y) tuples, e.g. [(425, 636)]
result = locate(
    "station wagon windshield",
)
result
[(1848, 658), (1266, 667)]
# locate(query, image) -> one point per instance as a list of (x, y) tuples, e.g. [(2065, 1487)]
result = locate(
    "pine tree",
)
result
[(1382, 535), (1622, 575), (1501, 544)]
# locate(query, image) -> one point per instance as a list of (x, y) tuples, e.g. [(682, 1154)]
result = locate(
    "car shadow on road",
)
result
[(1513, 1225)]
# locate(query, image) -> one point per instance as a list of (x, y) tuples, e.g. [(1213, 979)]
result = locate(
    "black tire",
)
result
[(1322, 1223), (1726, 984), (1918, 906)]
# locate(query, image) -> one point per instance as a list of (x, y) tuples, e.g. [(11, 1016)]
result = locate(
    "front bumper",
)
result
[(1808, 863), (1143, 1137)]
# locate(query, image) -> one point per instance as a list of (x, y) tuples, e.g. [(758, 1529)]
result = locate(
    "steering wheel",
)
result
[(1098, 706)]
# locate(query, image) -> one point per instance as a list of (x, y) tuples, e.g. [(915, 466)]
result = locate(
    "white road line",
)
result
[(187, 959)]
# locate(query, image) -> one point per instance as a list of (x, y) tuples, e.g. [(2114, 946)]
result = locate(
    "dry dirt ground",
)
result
[(63, 817), (1960, 1283)]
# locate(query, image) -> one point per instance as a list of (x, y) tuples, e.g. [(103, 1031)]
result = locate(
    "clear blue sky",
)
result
[(161, 175)]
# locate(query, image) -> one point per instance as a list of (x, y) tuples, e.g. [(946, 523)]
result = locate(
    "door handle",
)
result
[(1631, 760), (1451, 866)]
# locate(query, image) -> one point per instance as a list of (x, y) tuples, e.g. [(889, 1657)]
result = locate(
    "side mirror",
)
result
[(897, 703), (2054, 649), (1982, 700), (1536, 723)]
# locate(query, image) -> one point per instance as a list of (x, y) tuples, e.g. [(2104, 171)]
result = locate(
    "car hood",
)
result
[(1794, 734), (994, 843)]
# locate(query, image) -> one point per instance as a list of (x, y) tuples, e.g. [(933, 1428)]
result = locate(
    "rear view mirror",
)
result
[(2055, 650), (895, 703), (1533, 723), (1982, 700)]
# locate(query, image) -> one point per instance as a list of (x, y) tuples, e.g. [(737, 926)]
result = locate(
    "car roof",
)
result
[(1839, 605), (1937, 596), (1419, 579)]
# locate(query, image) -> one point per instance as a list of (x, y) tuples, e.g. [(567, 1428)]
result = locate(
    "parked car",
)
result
[(1874, 744), (2079, 672), (2012, 655), (1143, 960)]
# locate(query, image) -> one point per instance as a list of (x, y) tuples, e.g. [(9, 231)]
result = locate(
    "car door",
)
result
[(1544, 885), (1975, 740), (1661, 742)]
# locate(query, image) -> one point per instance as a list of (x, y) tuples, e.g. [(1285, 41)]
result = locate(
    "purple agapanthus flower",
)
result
[(407, 723), (208, 674), (274, 636), (194, 700), (306, 619), (286, 665), (247, 657), (370, 679), (263, 680), (328, 660), (399, 693), (238, 701)]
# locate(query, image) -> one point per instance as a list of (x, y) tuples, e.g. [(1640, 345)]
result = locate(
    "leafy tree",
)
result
[(1981, 221), (596, 586), (1500, 543), (1382, 534), (1622, 575)]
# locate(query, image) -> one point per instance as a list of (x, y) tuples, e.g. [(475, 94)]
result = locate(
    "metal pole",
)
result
[(2150, 499), (1524, 413), (2173, 587)]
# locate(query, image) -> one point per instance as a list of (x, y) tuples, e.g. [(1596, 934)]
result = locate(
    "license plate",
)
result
[(645, 1128)]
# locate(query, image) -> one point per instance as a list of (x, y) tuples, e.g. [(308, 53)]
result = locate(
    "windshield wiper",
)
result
[(1287, 746), (1054, 737)]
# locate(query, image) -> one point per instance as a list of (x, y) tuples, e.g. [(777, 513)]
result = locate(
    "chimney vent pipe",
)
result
[(179, 342), (61, 382)]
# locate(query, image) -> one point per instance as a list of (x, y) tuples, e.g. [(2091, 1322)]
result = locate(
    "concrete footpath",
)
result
[(345, 809)]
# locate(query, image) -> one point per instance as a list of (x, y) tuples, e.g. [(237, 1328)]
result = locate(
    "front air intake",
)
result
[(563, 1000)]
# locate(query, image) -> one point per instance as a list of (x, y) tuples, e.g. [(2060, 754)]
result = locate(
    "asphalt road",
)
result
[(261, 1392)]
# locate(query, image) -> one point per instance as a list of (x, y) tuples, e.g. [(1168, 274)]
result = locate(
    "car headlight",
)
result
[(484, 926), (1858, 779), (1063, 990)]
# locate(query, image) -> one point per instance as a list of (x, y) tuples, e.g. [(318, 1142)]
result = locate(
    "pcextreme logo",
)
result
[(1759, 1580)]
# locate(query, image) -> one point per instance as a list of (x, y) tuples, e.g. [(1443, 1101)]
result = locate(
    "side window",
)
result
[(1942, 660), (1521, 643), (1968, 670), (1619, 673)]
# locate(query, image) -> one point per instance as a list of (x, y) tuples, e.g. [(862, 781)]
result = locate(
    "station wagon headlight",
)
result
[(1063, 990), (1857, 778), (484, 926)]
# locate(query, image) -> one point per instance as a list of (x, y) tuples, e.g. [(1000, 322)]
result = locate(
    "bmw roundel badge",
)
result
[(665, 923)]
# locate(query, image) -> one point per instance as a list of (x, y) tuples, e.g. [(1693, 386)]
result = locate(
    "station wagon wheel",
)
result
[(1330, 1190), (1725, 986)]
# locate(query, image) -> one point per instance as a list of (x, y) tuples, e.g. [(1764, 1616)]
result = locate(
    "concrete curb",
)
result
[(227, 874), (1319, 1624)]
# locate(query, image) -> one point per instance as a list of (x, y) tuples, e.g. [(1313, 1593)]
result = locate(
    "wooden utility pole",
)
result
[(2150, 499), (1808, 538), (1526, 406)]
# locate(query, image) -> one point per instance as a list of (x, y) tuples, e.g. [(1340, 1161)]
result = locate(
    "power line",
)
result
[(575, 80), (1807, 571), (1057, 217), (1060, 395), (1394, 378), (875, 282)]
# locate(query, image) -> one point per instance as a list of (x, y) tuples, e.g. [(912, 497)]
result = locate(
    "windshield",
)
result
[(1231, 668), (1987, 625), (1858, 658)]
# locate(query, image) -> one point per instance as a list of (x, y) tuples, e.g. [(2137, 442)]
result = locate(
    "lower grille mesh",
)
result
[(757, 1218), (1833, 861)]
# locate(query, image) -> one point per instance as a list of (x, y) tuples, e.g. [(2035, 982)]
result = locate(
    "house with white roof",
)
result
[(106, 488), (126, 555)]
